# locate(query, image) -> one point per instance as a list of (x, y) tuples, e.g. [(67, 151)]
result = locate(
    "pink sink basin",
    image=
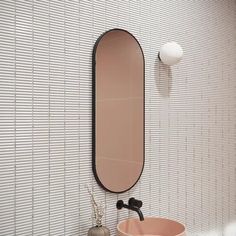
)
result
[(151, 226)]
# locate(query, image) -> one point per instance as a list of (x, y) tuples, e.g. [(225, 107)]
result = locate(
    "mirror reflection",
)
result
[(118, 110)]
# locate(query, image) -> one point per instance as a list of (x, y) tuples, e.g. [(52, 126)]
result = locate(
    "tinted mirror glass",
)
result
[(118, 110)]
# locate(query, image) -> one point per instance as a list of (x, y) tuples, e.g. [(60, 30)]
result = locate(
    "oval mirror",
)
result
[(118, 110)]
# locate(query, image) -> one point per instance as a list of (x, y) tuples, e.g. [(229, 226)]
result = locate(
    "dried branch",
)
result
[(98, 208)]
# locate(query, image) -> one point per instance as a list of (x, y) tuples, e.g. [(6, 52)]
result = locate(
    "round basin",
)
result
[(151, 226)]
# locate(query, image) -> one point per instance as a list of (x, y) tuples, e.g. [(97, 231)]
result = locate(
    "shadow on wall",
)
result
[(163, 78)]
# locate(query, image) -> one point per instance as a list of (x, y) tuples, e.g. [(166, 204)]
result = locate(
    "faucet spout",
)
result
[(140, 214), (120, 204)]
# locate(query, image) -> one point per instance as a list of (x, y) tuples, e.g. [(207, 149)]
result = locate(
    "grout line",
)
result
[(15, 74)]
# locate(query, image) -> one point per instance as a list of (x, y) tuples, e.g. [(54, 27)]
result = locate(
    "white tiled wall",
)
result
[(45, 114)]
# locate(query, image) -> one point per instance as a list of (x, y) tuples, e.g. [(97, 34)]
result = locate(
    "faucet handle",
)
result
[(135, 202), (119, 204)]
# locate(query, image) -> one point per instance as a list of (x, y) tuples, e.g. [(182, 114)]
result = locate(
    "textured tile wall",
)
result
[(45, 114)]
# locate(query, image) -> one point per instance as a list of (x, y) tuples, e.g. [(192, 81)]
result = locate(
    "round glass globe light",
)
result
[(171, 53)]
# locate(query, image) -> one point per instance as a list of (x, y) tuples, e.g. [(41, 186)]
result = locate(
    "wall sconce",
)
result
[(170, 53)]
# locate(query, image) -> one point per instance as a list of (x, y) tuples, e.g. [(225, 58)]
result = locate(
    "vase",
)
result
[(99, 231)]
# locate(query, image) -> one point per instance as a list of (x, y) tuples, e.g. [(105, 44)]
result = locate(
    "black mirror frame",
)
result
[(94, 110)]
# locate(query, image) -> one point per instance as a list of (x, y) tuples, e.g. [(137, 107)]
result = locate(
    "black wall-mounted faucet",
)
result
[(133, 205)]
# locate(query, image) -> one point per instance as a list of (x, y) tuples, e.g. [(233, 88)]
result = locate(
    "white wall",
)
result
[(45, 113)]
